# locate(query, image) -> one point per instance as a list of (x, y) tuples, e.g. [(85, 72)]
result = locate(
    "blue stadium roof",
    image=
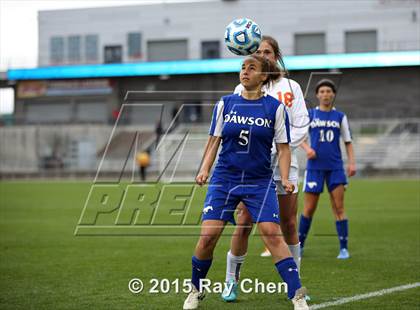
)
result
[(307, 62)]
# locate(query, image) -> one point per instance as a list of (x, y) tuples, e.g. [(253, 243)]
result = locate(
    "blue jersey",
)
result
[(247, 129), (325, 131)]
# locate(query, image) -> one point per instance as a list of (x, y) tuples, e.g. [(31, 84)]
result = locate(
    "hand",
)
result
[(288, 187), (351, 170), (202, 177), (310, 153)]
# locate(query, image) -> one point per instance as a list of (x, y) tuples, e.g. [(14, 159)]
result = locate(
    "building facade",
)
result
[(110, 51), (175, 31)]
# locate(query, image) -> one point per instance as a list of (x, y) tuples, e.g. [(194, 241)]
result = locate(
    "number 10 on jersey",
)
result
[(326, 135)]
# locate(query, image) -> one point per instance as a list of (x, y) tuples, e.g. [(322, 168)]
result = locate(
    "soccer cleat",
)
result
[(299, 300), (192, 300), (266, 253), (344, 254), (230, 293)]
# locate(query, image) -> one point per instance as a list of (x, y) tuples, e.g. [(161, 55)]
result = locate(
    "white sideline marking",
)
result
[(365, 296)]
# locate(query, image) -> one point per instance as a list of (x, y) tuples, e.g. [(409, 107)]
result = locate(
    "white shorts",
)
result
[(293, 178)]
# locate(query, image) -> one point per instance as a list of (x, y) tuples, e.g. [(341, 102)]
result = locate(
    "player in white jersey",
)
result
[(290, 93)]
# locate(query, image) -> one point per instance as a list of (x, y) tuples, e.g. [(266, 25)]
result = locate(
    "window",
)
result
[(210, 49), (134, 45), (56, 50), (113, 54), (361, 41), (74, 49), (91, 48), (167, 50), (310, 43)]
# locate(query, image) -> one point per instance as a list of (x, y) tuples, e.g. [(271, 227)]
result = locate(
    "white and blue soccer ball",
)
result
[(243, 36)]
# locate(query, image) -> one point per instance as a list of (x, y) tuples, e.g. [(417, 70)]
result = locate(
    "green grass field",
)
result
[(43, 265)]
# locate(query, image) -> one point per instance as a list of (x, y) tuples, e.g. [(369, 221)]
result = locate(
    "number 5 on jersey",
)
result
[(243, 137)]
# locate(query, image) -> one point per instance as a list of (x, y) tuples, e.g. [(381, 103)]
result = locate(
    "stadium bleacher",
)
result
[(381, 146)]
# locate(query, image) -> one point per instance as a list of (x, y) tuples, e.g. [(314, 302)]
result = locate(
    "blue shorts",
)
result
[(314, 180), (223, 197)]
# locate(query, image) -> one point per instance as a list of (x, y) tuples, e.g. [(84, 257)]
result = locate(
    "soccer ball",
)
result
[(243, 36)]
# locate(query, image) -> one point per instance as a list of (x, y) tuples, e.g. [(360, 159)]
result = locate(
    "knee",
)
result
[(206, 243), (243, 231), (243, 224), (340, 214), (272, 237), (288, 226), (309, 211), (273, 241)]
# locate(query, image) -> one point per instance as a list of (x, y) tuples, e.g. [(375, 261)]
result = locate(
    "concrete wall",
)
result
[(27, 148)]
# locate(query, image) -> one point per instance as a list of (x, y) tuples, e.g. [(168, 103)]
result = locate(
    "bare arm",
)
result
[(298, 117), (351, 164), (210, 152), (310, 152), (284, 158)]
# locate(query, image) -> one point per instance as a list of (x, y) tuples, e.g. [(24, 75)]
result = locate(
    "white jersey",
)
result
[(290, 94)]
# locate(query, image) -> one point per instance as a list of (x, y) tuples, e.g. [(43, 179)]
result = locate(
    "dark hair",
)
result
[(274, 45), (276, 49), (325, 82), (267, 67)]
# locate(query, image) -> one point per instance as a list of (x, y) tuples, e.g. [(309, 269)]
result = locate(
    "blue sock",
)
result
[(342, 232), (288, 271), (199, 270), (304, 225)]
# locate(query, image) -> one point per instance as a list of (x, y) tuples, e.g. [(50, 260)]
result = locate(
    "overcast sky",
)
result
[(19, 30)]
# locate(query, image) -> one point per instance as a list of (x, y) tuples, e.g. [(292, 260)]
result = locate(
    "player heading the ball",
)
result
[(246, 125), (289, 93)]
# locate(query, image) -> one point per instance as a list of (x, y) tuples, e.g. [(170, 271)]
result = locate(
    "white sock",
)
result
[(295, 250), (233, 266)]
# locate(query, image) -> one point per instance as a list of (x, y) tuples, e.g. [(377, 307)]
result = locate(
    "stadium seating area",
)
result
[(381, 146)]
